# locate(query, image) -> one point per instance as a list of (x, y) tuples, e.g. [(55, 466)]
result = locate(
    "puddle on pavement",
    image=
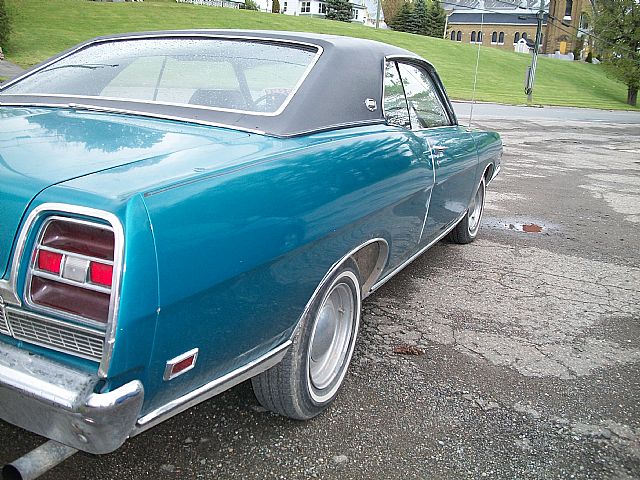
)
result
[(517, 226)]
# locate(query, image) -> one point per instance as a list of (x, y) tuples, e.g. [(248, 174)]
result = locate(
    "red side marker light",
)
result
[(181, 364), (49, 261), (101, 273)]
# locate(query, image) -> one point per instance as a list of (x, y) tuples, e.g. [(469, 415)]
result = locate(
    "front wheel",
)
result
[(308, 378), (467, 229)]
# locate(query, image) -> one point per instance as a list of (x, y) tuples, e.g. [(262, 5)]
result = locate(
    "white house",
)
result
[(314, 8)]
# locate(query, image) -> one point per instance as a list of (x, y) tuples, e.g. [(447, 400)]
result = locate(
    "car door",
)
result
[(414, 172), (452, 147)]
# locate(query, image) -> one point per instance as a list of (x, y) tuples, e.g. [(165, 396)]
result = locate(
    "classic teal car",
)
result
[(182, 211)]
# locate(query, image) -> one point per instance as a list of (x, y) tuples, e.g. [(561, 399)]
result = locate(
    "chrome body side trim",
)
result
[(59, 402), (211, 389), (8, 288), (417, 254)]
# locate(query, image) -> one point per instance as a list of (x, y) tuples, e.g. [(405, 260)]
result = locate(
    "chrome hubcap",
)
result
[(475, 209), (331, 336)]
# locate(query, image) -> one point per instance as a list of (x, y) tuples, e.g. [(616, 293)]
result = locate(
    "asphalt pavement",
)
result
[(526, 346), (9, 70)]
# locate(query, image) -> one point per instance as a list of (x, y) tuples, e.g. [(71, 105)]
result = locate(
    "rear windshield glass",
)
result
[(244, 75)]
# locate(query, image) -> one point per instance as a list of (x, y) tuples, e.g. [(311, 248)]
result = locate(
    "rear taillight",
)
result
[(72, 269)]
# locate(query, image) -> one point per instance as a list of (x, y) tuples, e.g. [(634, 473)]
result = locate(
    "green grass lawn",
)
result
[(41, 28)]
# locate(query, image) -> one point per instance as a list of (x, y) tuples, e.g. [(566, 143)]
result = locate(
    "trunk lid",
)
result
[(40, 147)]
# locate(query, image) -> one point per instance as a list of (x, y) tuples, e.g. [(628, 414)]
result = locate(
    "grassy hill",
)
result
[(41, 28)]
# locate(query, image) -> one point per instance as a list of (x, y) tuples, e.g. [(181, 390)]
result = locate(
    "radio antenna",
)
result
[(475, 77)]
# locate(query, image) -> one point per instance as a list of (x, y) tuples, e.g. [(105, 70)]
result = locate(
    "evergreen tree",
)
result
[(402, 22), (436, 19), (4, 24), (275, 6), (418, 22), (339, 10)]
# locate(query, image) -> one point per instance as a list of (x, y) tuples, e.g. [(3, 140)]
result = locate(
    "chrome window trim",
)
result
[(185, 34), (174, 361), (440, 90), (385, 61), (8, 288)]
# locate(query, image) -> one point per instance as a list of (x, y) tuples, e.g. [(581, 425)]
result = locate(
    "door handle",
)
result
[(439, 148)]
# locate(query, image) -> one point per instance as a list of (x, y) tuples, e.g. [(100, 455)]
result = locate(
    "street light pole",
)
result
[(531, 71), (378, 14)]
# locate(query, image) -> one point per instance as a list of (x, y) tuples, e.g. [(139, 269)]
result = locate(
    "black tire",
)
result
[(307, 380), (466, 230)]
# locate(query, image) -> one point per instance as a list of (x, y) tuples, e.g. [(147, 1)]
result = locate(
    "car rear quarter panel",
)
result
[(240, 251), (489, 147)]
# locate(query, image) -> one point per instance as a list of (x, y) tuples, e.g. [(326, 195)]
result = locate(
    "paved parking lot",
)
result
[(526, 346)]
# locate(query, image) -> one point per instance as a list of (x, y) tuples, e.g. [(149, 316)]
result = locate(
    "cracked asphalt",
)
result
[(525, 346)]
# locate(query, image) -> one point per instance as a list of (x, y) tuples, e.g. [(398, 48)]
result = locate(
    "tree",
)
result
[(250, 5), (390, 9), (402, 21), (275, 6), (436, 18), (418, 18), (617, 29), (339, 10), (4, 24)]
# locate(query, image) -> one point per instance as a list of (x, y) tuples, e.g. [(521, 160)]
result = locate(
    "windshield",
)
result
[(244, 75)]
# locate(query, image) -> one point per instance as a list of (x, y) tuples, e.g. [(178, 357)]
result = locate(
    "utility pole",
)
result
[(378, 13), (531, 71)]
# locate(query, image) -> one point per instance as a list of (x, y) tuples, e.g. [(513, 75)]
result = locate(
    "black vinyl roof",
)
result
[(348, 72)]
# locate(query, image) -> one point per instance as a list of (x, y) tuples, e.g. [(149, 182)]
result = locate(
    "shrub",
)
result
[(4, 24)]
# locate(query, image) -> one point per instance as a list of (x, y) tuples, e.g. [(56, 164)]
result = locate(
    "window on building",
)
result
[(501, 38), (584, 21), (524, 35), (473, 37), (396, 112), (305, 7), (284, 7), (453, 35), (494, 37), (516, 37), (322, 7), (425, 107), (459, 36), (567, 11), (354, 13), (479, 39)]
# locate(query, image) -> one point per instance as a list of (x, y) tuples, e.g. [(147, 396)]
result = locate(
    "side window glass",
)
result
[(395, 105), (424, 104)]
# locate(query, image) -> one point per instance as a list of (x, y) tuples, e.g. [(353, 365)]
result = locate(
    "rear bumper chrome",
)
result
[(58, 402)]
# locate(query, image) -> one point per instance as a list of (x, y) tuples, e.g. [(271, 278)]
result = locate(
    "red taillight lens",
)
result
[(101, 273), (49, 261), (82, 260)]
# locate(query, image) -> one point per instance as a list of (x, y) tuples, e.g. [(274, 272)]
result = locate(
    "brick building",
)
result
[(501, 23)]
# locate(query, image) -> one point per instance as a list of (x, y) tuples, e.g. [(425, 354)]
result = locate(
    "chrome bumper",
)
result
[(58, 402)]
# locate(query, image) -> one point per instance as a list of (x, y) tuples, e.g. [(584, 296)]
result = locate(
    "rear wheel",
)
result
[(467, 229), (307, 380)]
